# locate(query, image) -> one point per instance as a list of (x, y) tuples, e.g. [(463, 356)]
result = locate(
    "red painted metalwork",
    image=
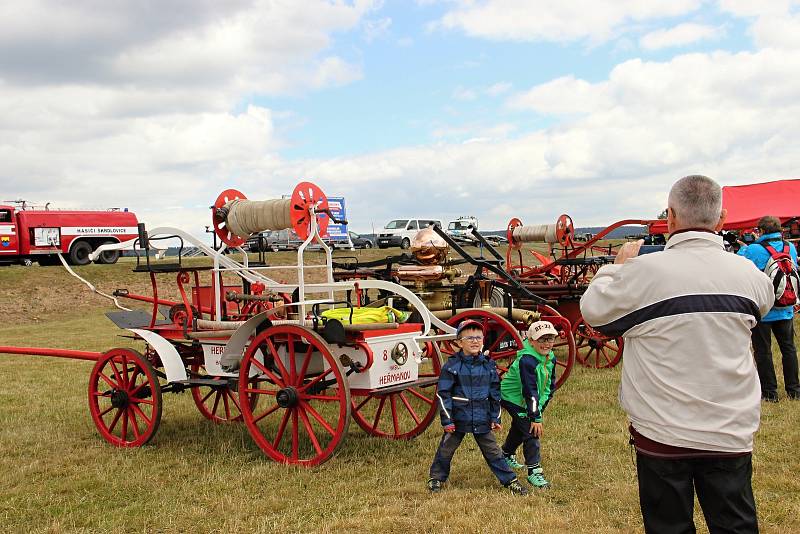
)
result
[(411, 409), (305, 196), (312, 400), (56, 353), (125, 398), (220, 225)]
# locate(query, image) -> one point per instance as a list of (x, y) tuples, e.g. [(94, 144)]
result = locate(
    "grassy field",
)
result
[(59, 476)]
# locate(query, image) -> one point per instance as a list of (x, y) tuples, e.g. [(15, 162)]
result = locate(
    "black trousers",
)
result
[(440, 469), (520, 434), (762, 349), (724, 490)]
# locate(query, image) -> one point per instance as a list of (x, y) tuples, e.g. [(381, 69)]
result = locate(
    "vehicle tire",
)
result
[(79, 254), (405, 244), (108, 257), (27, 262), (367, 245)]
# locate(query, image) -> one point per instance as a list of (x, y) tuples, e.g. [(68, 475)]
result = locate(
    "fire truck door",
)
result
[(8, 233)]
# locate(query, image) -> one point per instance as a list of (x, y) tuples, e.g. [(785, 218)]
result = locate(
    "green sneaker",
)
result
[(537, 480), (512, 462)]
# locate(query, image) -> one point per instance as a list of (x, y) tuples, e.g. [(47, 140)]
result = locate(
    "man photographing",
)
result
[(689, 384)]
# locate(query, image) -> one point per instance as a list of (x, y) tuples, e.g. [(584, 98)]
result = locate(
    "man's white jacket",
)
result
[(685, 314)]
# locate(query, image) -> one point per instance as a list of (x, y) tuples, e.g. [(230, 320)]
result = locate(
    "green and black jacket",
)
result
[(530, 382)]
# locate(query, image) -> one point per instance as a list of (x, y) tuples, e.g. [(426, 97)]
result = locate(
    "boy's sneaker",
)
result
[(537, 479), (435, 486), (516, 488), (512, 462)]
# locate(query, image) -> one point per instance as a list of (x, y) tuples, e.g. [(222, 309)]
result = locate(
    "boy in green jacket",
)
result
[(526, 389)]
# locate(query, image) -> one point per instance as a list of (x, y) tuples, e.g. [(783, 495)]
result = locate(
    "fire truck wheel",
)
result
[(27, 262), (219, 404), (303, 395), (79, 254), (402, 414), (125, 398), (109, 256)]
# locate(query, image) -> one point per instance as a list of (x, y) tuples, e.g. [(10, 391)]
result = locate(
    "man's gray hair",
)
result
[(696, 201)]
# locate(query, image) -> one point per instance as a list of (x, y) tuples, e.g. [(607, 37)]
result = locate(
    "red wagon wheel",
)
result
[(596, 350), (125, 398), (302, 396), (501, 338), (564, 348), (401, 414), (219, 404)]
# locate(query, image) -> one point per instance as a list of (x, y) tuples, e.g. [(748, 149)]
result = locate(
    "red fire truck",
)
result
[(29, 234)]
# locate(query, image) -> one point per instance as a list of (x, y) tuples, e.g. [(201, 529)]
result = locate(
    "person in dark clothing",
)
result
[(525, 391), (778, 322), (469, 403)]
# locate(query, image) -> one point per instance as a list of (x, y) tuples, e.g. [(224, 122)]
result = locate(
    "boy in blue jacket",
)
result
[(525, 391), (469, 403)]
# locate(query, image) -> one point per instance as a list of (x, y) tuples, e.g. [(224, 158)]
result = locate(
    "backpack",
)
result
[(783, 273)]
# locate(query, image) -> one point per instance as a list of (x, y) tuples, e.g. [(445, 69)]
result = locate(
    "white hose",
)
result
[(111, 297), (535, 233), (247, 217)]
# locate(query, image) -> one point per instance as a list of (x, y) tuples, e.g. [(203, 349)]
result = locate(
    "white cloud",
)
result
[(564, 21), (464, 94), (680, 35), (777, 32), (499, 88), (107, 101), (374, 29), (756, 8), (730, 116), (563, 96)]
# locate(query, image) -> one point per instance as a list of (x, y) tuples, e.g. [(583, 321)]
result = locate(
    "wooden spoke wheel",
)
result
[(594, 349), (402, 414), (125, 398), (219, 404), (300, 394), (500, 338), (564, 347)]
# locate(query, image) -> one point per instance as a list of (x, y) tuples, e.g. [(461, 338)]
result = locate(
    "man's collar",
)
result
[(688, 234)]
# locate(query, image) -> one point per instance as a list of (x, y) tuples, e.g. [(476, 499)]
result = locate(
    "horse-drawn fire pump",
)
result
[(294, 361)]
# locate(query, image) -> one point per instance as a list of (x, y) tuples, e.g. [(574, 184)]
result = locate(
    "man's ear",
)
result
[(670, 220), (722, 216)]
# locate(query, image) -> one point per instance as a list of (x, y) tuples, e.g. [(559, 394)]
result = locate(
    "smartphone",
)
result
[(647, 249)]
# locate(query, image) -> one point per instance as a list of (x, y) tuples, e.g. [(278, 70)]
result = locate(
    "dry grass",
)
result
[(59, 476)]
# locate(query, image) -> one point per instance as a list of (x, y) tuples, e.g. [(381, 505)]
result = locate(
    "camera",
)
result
[(649, 249)]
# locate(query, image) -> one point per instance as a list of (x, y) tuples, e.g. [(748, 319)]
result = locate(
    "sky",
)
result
[(430, 108)]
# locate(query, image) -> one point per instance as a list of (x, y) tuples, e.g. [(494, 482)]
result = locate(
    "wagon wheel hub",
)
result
[(596, 342), (287, 397), (119, 398)]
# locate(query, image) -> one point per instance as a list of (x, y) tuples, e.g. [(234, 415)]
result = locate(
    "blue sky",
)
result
[(496, 108)]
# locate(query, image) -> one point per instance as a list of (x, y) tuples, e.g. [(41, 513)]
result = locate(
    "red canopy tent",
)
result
[(746, 204)]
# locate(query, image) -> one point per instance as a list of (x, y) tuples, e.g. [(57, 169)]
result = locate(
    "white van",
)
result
[(400, 232), (459, 228)]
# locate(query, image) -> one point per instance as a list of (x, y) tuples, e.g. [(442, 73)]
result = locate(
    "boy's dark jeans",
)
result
[(520, 434), (762, 350), (440, 469), (724, 490)]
